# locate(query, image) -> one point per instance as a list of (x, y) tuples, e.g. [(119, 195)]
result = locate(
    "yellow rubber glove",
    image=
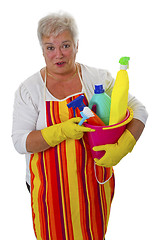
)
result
[(115, 152), (57, 133)]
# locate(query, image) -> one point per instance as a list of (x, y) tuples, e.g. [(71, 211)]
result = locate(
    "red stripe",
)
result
[(48, 115), (56, 214), (66, 190), (50, 194), (83, 202)]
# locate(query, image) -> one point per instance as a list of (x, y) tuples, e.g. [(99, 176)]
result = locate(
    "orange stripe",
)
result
[(40, 197)]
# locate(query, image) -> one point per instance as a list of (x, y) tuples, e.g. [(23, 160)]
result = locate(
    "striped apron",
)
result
[(67, 201)]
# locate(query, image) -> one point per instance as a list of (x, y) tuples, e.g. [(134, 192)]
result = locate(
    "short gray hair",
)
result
[(56, 23)]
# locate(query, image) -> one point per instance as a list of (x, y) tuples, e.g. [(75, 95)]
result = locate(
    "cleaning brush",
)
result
[(86, 113)]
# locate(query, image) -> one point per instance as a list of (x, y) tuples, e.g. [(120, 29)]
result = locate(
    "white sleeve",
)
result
[(25, 116), (139, 110)]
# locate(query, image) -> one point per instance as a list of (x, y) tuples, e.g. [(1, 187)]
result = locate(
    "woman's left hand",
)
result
[(115, 152)]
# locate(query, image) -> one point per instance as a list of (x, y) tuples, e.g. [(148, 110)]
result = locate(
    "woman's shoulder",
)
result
[(33, 85), (89, 69), (31, 89), (33, 81), (96, 74)]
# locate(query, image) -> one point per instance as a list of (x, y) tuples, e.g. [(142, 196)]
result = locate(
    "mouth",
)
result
[(60, 64)]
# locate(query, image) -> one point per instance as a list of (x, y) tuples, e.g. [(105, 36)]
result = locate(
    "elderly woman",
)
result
[(67, 201)]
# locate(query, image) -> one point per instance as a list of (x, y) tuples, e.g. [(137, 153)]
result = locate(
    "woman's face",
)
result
[(59, 53)]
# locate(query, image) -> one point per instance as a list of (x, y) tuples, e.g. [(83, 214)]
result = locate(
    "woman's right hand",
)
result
[(57, 133), (71, 129)]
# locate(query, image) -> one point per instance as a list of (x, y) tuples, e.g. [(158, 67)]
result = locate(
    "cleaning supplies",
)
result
[(78, 103), (119, 96), (85, 114), (57, 133), (102, 102)]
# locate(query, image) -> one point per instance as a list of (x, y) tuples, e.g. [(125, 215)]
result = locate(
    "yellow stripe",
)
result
[(108, 198), (51, 112), (73, 188), (123, 123), (63, 111), (36, 184)]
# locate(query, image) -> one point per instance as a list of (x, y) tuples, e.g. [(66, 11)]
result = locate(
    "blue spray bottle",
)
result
[(100, 102), (86, 112)]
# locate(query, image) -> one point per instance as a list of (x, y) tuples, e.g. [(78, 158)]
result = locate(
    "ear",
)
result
[(43, 51), (77, 46)]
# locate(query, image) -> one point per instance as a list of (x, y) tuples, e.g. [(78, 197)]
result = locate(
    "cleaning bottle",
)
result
[(119, 96), (100, 103), (85, 112)]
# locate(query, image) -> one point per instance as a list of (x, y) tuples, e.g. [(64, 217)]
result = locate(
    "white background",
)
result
[(108, 30)]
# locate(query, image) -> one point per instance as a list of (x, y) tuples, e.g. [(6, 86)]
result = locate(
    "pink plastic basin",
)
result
[(106, 134)]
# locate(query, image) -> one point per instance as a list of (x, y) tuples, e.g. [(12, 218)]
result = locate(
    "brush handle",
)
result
[(84, 117), (81, 122)]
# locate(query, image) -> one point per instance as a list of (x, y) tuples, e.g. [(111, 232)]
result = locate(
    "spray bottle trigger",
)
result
[(77, 102), (74, 112)]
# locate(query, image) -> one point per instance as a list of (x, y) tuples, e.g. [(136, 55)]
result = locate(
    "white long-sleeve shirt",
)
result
[(29, 106)]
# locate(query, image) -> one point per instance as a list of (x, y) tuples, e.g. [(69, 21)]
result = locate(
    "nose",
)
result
[(59, 53)]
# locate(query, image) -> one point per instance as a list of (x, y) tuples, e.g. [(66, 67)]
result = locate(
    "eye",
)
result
[(50, 48), (66, 46)]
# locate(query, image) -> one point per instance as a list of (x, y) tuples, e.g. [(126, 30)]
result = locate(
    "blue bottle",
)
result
[(100, 103)]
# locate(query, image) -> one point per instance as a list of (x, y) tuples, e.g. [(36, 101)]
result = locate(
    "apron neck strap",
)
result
[(45, 83), (45, 80)]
